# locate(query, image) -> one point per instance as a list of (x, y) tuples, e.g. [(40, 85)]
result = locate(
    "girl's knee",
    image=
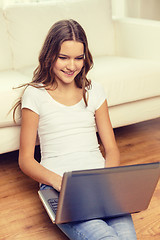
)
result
[(90, 230)]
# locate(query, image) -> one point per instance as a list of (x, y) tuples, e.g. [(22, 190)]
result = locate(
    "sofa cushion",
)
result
[(9, 96), (9, 139), (28, 25), (5, 50), (134, 112), (127, 79)]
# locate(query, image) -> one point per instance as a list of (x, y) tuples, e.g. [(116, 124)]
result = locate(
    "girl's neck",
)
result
[(67, 94), (65, 88)]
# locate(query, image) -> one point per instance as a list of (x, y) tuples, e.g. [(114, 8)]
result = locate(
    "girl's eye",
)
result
[(63, 58), (80, 58)]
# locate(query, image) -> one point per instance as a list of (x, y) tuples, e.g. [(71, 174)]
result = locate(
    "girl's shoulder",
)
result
[(33, 90), (33, 93), (96, 87), (97, 95), (32, 98)]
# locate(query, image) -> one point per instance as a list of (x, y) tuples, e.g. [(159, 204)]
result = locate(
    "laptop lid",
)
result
[(107, 192)]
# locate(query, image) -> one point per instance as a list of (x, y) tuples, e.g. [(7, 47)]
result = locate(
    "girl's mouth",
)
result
[(68, 73)]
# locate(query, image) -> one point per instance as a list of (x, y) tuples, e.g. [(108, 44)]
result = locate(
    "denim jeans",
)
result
[(117, 228)]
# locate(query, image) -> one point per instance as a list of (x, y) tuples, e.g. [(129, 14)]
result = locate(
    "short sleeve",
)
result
[(30, 99), (98, 95)]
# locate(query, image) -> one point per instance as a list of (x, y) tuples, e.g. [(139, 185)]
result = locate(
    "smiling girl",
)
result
[(66, 109)]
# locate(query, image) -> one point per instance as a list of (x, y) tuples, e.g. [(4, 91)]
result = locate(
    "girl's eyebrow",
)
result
[(64, 55)]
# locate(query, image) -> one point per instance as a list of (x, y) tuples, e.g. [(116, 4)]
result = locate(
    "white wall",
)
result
[(1, 3), (148, 9), (118, 8)]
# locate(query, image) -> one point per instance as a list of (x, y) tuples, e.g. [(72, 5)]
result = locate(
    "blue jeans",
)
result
[(117, 228)]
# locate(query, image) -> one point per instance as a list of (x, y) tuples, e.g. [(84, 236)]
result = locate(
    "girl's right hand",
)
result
[(57, 183)]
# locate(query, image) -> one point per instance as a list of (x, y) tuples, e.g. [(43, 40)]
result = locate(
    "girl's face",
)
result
[(70, 62)]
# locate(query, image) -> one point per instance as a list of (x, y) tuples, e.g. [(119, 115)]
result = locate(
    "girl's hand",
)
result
[(57, 183)]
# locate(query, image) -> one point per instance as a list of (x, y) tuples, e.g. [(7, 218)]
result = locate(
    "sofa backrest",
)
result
[(28, 25), (5, 50)]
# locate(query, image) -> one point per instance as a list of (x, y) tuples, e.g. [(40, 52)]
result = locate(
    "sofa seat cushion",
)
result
[(134, 112), (28, 71), (126, 79), (10, 139), (8, 95)]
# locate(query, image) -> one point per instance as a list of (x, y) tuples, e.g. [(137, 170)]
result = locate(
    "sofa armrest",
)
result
[(137, 38)]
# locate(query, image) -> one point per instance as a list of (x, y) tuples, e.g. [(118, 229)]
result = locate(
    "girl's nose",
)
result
[(71, 65)]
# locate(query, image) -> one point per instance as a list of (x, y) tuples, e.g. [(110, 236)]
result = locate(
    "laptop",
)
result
[(101, 193)]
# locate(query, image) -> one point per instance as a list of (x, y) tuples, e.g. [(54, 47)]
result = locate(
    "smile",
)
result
[(68, 73)]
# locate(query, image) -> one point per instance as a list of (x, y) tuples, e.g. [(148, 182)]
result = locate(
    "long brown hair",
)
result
[(61, 31)]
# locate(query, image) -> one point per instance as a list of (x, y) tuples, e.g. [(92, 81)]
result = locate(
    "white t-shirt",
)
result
[(67, 133)]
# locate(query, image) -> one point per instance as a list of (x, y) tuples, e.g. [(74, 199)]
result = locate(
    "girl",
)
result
[(66, 108)]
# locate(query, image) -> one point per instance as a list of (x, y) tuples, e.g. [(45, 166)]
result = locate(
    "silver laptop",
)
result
[(101, 193)]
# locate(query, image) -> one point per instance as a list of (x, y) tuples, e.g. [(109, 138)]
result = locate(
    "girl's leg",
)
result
[(96, 229), (123, 226), (120, 228)]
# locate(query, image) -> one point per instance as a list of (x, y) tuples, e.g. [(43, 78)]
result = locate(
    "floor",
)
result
[(23, 216)]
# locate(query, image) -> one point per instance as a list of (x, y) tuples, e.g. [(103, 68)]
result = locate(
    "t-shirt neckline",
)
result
[(61, 104)]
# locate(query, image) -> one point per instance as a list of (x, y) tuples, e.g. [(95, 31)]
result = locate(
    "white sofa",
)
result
[(126, 58)]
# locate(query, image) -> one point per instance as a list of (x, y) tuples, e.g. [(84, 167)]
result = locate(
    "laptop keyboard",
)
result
[(53, 202)]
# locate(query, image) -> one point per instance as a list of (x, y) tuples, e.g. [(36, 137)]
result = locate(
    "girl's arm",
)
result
[(27, 163), (106, 134)]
